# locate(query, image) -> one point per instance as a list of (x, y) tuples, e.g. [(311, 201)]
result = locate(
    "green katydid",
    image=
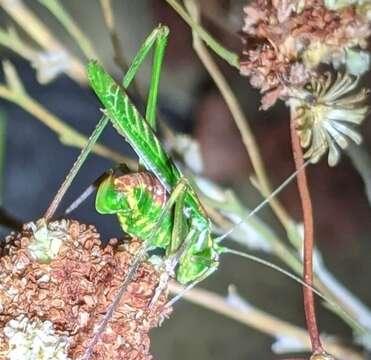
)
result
[(157, 206), (140, 199)]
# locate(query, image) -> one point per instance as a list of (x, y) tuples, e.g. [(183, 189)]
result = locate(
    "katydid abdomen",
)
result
[(138, 200)]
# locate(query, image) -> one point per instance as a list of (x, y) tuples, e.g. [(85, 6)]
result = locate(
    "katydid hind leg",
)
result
[(158, 57), (129, 76)]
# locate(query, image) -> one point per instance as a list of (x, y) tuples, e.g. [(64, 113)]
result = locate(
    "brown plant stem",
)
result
[(307, 209)]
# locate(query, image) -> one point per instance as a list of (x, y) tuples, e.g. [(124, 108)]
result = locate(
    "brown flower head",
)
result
[(59, 303), (286, 40)]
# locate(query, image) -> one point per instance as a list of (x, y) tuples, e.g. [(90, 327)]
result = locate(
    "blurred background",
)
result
[(36, 164)]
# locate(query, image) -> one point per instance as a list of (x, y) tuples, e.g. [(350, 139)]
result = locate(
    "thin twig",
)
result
[(35, 28), (116, 44), (259, 320), (10, 39), (67, 134), (230, 57), (57, 9), (306, 204)]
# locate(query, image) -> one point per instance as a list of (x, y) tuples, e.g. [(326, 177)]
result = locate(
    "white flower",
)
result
[(325, 115), (47, 239), (35, 340)]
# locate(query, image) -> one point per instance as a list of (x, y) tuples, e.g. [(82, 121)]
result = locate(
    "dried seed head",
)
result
[(67, 297), (326, 114), (286, 40)]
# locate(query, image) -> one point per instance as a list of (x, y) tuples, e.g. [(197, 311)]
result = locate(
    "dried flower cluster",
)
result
[(57, 305), (286, 41)]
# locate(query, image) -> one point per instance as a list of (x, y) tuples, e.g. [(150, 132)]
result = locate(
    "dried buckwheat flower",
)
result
[(285, 41), (56, 299)]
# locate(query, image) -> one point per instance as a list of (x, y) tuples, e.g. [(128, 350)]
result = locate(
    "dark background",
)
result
[(36, 164)]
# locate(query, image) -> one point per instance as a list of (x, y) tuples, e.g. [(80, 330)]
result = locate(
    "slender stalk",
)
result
[(109, 19), (57, 9), (67, 134), (230, 57), (258, 319), (35, 28), (306, 204), (10, 39)]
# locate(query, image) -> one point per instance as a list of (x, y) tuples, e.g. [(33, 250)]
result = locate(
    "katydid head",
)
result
[(108, 199)]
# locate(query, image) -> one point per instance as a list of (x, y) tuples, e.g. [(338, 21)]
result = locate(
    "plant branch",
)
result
[(109, 19), (230, 57), (10, 39), (308, 239), (57, 9), (32, 25), (257, 319), (67, 134)]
